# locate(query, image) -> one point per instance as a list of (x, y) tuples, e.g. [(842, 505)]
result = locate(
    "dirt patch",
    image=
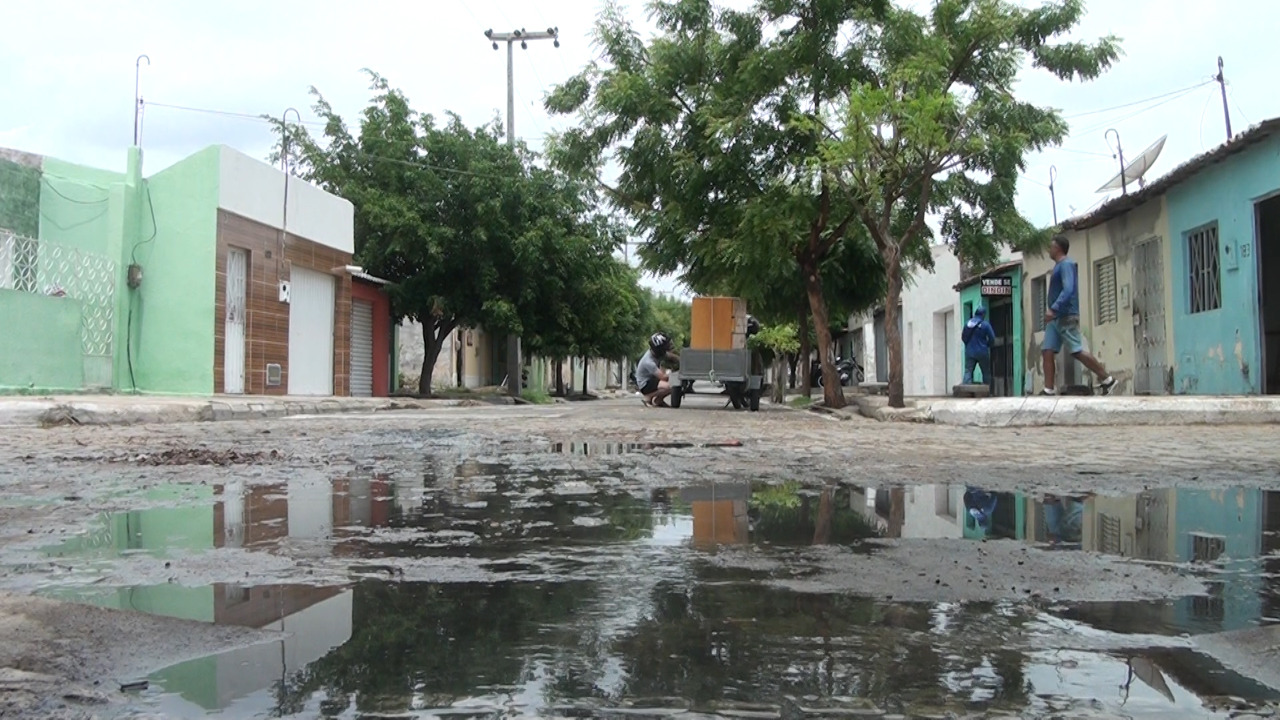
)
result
[(188, 456), (63, 660)]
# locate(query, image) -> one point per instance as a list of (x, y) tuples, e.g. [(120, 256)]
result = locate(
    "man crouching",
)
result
[(650, 377)]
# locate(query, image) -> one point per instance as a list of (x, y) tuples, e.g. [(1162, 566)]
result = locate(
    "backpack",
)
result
[(967, 334)]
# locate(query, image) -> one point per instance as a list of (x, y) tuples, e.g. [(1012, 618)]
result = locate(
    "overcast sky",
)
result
[(67, 85)]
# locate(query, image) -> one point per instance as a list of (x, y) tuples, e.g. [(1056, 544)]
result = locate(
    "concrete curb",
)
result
[(1103, 411), (123, 410)]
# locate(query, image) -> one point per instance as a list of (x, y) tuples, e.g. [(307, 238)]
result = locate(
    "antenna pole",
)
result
[(1124, 182), (1053, 197), (137, 97), (1222, 85), (523, 37)]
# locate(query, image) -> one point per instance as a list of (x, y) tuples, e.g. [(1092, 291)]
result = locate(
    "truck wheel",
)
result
[(755, 400), (677, 395)]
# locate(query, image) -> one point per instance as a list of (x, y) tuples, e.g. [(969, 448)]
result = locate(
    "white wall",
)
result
[(925, 334), (933, 511), (255, 190)]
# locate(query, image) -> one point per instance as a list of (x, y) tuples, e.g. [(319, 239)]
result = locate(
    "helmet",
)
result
[(659, 343), (753, 326)]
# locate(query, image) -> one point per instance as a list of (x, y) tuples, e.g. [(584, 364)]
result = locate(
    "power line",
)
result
[(1138, 102), (1130, 116), (230, 113)]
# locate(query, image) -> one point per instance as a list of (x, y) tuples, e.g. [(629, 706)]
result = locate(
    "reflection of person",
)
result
[(981, 506), (650, 377), (1063, 518), (978, 337), (1062, 320)]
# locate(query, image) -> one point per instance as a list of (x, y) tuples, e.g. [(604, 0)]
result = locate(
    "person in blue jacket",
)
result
[(1062, 320), (978, 337)]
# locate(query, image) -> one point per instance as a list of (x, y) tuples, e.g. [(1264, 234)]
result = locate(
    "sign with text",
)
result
[(997, 286)]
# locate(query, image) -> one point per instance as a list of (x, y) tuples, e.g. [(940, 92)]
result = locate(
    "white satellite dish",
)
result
[(1136, 168)]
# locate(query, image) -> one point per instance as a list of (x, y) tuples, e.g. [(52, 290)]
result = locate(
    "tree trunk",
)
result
[(792, 361), (559, 377), (779, 394), (806, 353), (833, 393), (826, 513), (584, 377), (432, 340), (892, 334)]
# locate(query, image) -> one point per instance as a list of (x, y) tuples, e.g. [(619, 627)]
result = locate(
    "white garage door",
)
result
[(310, 332), (361, 348)]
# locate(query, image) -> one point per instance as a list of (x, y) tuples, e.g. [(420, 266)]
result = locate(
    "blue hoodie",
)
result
[(982, 335), (1064, 297)]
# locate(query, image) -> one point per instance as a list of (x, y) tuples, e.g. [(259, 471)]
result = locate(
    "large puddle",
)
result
[(599, 600)]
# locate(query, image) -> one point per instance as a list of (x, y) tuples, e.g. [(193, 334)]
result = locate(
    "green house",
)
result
[(1000, 290)]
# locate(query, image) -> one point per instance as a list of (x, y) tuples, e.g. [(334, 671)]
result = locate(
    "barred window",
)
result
[(1039, 301), (1206, 275), (1104, 291)]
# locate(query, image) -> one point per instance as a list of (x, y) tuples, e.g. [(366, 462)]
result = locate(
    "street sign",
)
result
[(997, 286)]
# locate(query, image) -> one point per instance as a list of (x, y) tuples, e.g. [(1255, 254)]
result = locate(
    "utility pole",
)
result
[(1124, 182), (522, 36), (1222, 84)]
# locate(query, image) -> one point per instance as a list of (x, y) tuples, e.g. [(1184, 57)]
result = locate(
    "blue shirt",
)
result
[(1064, 296), (982, 338)]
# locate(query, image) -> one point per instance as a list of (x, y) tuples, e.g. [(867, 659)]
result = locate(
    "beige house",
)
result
[(1122, 250)]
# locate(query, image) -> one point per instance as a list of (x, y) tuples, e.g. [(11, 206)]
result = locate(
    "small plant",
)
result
[(536, 396)]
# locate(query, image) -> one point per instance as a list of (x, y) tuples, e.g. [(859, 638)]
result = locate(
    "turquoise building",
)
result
[(1000, 291)]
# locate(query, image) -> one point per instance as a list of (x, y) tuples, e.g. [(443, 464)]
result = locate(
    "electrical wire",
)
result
[(133, 256), (1161, 96), (230, 113), (45, 180), (1130, 116)]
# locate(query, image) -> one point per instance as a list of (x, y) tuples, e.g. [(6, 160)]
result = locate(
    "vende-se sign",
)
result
[(997, 286)]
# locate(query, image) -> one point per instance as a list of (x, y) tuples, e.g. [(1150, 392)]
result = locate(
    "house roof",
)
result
[(1000, 269), (1118, 206)]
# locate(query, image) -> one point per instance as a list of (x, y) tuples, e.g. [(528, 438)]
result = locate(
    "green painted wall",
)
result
[(173, 310), (51, 365), (970, 298)]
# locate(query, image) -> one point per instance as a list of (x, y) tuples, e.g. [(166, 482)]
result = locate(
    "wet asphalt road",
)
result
[(510, 508)]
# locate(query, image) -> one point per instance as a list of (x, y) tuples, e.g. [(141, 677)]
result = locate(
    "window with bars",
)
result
[(1205, 272), (1039, 301), (1104, 291)]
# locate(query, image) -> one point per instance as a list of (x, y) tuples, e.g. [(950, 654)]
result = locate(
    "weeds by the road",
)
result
[(536, 396)]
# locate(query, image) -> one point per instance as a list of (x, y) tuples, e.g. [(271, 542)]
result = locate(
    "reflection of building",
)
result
[(719, 512), (1234, 528)]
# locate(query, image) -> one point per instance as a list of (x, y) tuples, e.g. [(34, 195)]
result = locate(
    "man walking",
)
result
[(978, 337), (1062, 320)]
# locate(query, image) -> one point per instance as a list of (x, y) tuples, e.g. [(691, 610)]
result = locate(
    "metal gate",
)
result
[(311, 332), (1002, 381), (1150, 366), (234, 323), (361, 348)]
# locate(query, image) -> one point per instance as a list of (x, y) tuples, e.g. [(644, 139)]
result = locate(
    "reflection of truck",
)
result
[(718, 353)]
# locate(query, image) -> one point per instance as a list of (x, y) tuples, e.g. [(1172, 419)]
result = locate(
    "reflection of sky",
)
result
[(1070, 674), (671, 529)]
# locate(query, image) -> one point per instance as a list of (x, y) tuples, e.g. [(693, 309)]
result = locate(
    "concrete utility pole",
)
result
[(522, 36), (1222, 84)]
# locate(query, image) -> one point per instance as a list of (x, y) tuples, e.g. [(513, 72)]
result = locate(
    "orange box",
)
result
[(718, 323)]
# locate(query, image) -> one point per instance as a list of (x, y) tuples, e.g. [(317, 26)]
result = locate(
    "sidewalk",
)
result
[(1079, 411), (140, 409)]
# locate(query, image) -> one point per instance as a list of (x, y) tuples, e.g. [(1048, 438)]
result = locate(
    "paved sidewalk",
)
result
[(1078, 411), (141, 409)]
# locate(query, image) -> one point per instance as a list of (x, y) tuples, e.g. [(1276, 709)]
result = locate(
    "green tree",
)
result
[(672, 316), (932, 126), (471, 232), (716, 170)]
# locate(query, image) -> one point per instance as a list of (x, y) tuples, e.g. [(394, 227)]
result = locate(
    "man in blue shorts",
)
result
[(1062, 320)]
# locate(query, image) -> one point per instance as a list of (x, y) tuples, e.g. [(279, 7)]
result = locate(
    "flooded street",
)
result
[(571, 563)]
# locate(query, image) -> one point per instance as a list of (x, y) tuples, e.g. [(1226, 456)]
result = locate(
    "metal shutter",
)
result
[(1104, 276), (361, 348)]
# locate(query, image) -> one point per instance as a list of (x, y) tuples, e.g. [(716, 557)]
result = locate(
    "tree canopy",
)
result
[(765, 143), (472, 232), (931, 126)]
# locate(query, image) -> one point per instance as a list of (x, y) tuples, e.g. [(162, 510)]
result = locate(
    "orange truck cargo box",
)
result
[(718, 323)]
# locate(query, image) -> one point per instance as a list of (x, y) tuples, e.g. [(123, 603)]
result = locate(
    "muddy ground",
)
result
[(547, 496)]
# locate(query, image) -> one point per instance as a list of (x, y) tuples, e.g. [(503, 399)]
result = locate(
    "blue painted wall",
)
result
[(1236, 515), (1218, 352)]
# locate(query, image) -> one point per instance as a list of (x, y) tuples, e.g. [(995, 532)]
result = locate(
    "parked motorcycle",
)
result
[(848, 369)]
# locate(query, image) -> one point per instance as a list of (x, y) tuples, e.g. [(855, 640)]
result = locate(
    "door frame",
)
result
[(1259, 261)]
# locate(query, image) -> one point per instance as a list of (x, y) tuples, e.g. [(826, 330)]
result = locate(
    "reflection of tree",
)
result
[(434, 639), (785, 514)]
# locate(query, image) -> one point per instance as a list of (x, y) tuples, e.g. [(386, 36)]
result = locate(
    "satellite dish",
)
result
[(1136, 168)]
